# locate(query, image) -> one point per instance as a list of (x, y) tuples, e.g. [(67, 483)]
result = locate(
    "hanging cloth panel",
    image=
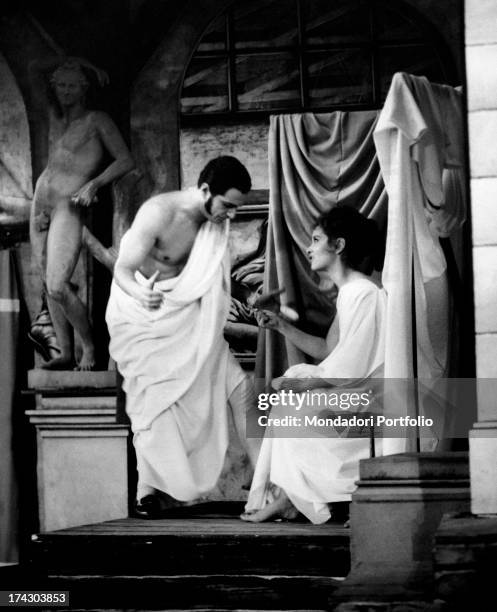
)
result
[(419, 133), (316, 162), (9, 332), (419, 140)]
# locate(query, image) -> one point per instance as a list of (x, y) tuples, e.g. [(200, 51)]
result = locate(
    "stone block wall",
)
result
[(481, 58)]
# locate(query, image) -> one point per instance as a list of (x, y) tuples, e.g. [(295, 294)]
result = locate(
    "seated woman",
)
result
[(306, 474)]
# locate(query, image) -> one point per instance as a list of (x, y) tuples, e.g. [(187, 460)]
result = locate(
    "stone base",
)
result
[(483, 452), (82, 475), (395, 511), (41, 380), (82, 449)]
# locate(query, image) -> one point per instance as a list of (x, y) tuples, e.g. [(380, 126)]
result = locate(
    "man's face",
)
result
[(221, 207), (68, 88)]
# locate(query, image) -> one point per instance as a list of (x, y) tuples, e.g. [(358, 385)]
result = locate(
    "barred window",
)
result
[(268, 56)]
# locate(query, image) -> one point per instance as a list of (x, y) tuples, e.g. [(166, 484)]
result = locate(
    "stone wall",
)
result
[(247, 142), (481, 59)]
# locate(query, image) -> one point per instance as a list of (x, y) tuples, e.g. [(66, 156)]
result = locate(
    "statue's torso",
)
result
[(75, 152)]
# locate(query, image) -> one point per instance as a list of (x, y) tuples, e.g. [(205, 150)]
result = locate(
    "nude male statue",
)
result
[(78, 139), (166, 324)]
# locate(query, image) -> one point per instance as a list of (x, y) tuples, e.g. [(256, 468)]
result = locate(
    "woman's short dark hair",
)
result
[(223, 173), (362, 236)]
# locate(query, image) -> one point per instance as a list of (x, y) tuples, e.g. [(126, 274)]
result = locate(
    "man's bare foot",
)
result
[(58, 363), (280, 508), (87, 363)]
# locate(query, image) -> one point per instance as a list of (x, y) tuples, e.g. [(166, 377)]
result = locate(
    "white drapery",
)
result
[(178, 371)]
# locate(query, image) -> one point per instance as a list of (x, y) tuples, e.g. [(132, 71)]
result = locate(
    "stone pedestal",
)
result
[(395, 511), (483, 452), (82, 449)]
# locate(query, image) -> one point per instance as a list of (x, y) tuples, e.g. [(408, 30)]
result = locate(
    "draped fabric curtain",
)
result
[(9, 334), (418, 135), (316, 162), (419, 140)]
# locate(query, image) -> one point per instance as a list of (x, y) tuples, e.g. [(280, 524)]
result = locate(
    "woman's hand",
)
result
[(299, 385), (270, 320), (86, 195), (303, 370), (293, 384)]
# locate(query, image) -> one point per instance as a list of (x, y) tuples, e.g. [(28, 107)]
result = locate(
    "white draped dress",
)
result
[(318, 470)]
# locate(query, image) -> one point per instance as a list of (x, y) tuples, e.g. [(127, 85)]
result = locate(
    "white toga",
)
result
[(178, 371)]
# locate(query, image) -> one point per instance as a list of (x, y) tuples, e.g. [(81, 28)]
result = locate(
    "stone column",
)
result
[(481, 59), (82, 449)]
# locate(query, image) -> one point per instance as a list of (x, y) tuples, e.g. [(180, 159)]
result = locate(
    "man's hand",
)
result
[(146, 296), (86, 195)]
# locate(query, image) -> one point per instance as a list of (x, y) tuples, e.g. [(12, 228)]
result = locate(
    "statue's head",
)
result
[(69, 83)]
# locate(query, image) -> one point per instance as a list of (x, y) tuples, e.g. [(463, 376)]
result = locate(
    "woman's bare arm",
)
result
[(314, 346)]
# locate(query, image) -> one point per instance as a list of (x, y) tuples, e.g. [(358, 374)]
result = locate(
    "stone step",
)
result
[(201, 556), (197, 592), (193, 546)]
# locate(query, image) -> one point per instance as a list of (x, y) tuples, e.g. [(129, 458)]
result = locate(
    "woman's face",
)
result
[(321, 254)]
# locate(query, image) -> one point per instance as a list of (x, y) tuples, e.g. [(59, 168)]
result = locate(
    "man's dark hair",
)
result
[(223, 173)]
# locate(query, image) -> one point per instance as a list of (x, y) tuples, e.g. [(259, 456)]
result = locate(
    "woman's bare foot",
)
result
[(280, 508)]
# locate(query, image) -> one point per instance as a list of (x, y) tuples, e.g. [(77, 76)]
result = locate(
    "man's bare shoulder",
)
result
[(164, 202), (160, 208)]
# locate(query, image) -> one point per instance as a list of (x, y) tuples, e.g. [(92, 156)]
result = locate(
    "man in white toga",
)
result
[(166, 313)]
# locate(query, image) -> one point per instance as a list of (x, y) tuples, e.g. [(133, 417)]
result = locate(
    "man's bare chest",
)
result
[(175, 243)]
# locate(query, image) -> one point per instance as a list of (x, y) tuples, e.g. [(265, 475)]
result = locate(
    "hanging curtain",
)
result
[(419, 139), (419, 133), (9, 333), (316, 161)]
